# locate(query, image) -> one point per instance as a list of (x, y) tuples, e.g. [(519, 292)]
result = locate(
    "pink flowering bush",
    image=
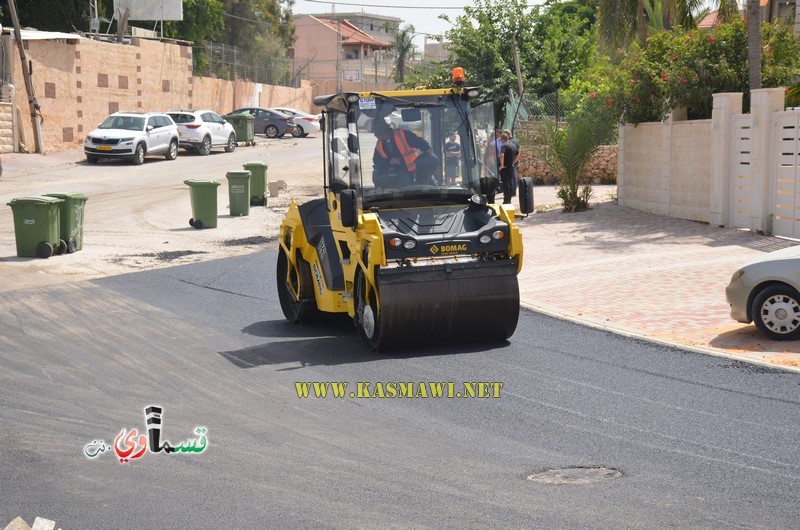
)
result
[(684, 69)]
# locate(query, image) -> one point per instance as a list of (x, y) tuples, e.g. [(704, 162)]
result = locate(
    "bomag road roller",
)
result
[(404, 240)]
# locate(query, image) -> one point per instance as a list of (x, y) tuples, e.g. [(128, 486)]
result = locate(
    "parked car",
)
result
[(272, 123), (201, 130), (766, 291), (306, 123), (133, 135)]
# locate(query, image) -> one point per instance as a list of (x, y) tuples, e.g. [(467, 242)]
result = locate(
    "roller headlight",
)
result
[(410, 244), (395, 242), (485, 239), (498, 235)]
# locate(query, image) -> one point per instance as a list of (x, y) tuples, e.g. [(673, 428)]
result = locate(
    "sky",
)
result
[(422, 14)]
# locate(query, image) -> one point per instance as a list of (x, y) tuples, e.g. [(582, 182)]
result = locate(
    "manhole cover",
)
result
[(575, 475)]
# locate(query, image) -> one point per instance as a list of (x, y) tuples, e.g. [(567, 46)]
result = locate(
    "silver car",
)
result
[(766, 291), (272, 123), (132, 136)]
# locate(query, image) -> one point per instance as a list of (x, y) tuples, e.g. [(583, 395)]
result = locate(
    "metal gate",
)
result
[(784, 188), (742, 181)]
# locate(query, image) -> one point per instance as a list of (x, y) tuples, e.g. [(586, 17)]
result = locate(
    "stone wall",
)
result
[(79, 83), (6, 128), (602, 168)]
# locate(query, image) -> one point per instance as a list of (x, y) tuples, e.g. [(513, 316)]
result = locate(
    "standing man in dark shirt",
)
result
[(508, 153), (511, 138), (452, 156)]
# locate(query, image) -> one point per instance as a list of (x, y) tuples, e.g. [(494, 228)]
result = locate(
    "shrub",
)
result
[(682, 68)]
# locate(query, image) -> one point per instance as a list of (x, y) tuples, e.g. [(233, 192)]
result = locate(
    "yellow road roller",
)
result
[(407, 239)]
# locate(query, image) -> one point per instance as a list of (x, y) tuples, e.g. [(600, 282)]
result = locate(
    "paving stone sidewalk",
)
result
[(645, 275)]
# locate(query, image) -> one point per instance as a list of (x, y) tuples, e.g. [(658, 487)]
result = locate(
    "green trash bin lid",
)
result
[(34, 200), (199, 182), (238, 174), (68, 195), (254, 163)]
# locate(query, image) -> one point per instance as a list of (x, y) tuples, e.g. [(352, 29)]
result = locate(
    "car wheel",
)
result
[(231, 143), (271, 131), (776, 312), (205, 149), (172, 152), (92, 159), (297, 132), (138, 155)]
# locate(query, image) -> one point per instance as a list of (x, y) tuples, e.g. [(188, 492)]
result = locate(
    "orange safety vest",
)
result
[(408, 153)]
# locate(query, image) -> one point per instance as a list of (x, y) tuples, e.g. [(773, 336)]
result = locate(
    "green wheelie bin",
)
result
[(239, 192), (204, 202), (258, 182), (243, 126), (71, 218), (36, 226)]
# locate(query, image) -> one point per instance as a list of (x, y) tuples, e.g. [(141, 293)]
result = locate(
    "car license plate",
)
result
[(104, 148)]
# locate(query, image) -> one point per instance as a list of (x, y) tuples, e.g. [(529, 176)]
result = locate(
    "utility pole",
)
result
[(520, 87), (26, 73), (338, 55)]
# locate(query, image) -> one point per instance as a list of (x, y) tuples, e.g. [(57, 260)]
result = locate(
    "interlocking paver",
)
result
[(647, 275)]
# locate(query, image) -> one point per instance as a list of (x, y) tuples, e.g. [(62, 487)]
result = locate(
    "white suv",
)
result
[(133, 135), (201, 130)]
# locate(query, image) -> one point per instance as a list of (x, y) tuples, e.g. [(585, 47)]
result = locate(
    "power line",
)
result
[(257, 21), (383, 5)]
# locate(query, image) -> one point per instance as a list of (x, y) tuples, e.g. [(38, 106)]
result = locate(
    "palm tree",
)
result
[(754, 43), (567, 149), (404, 51), (620, 20)]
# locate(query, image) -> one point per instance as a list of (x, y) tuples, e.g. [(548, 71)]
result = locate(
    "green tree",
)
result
[(620, 20), (555, 47), (402, 47), (685, 69), (202, 21), (52, 15), (568, 148)]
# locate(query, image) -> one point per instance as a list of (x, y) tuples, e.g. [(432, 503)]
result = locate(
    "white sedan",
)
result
[(766, 291), (306, 123)]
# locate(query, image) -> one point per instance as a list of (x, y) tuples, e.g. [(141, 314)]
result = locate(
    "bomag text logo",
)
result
[(448, 249)]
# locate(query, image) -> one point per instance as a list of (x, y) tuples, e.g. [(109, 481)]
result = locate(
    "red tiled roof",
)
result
[(709, 21), (351, 35)]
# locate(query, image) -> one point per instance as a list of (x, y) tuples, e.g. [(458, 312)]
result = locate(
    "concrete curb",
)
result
[(611, 328)]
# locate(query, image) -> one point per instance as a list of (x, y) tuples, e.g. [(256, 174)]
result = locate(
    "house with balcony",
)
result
[(327, 49)]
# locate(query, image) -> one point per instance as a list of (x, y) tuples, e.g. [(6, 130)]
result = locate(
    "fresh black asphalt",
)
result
[(701, 442)]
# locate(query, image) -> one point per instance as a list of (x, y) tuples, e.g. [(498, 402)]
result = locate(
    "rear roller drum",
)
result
[(294, 290)]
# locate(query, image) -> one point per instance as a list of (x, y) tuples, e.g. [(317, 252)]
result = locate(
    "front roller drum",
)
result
[(444, 303)]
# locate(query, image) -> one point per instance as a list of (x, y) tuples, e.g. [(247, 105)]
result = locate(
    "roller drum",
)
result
[(448, 303)]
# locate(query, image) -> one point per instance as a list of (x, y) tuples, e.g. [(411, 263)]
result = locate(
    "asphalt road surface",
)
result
[(617, 433)]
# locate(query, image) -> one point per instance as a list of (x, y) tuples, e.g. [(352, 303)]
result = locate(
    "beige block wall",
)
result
[(690, 179), (6, 128), (666, 168), (78, 84), (643, 188)]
